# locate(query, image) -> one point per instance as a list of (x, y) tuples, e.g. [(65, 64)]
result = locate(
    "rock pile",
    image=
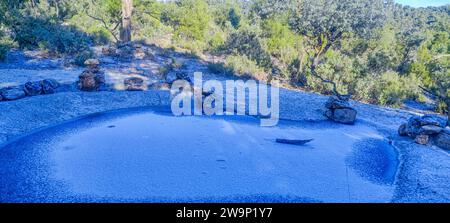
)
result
[(139, 53), (340, 111), (92, 77), (425, 128), (46, 86), (135, 84)]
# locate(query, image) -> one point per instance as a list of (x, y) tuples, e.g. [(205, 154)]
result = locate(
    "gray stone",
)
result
[(433, 120), (33, 88), (49, 86), (12, 93), (402, 130), (134, 84), (92, 62), (91, 81), (422, 139), (413, 126), (344, 115), (430, 130)]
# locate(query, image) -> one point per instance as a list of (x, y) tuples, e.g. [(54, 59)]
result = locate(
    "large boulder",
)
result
[(134, 84), (443, 139), (340, 111), (12, 93), (413, 126), (342, 115), (33, 88), (91, 81), (433, 120), (430, 130), (49, 86)]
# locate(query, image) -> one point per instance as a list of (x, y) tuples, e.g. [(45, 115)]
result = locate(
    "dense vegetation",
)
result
[(377, 51)]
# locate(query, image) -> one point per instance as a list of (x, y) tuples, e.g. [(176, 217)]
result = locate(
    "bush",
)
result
[(41, 33), (242, 66), (219, 68), (5, 45), (247, 42)]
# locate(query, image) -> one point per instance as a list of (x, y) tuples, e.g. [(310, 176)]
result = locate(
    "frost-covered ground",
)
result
[(274, 172)]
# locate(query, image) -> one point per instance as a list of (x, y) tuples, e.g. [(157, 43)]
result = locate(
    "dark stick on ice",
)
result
[(294, 142)]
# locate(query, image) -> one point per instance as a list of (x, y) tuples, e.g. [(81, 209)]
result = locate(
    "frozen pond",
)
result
[(150, 155)]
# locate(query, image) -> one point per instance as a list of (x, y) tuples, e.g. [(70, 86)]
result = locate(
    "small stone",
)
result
[(422, 139), (12, 93), (430, 130), (49, 86), (33, 88), (402, 130), (134, 84), (92, 63)]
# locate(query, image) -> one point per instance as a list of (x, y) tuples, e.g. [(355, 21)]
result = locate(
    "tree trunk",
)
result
[(125, 29)]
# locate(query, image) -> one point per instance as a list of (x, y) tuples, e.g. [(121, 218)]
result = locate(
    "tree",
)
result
[(326, 22), (125, 29)]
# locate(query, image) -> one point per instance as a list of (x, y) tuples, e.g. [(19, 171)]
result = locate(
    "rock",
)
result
[(49, 86), (134, 84), (33, 88), (402, 130), (171, 77), (433, 120), (344, 115), (92, 63), (159, 86), (335, 103), (12, 93), (442, 140), (430, 130), (91, 81), (422, 139), (413, 126)]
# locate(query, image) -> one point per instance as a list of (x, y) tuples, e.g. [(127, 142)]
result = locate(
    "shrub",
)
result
[(219, 68), (81, 57), (42, 33), (242, 66), (247, 41), (4, 46)]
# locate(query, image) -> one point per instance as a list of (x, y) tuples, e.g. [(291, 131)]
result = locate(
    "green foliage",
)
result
[(247, 42), (42, 33), (189, 18), (5, 45), (242, 66)]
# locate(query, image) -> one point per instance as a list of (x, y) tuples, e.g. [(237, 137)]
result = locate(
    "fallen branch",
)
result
[(294, 142)]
